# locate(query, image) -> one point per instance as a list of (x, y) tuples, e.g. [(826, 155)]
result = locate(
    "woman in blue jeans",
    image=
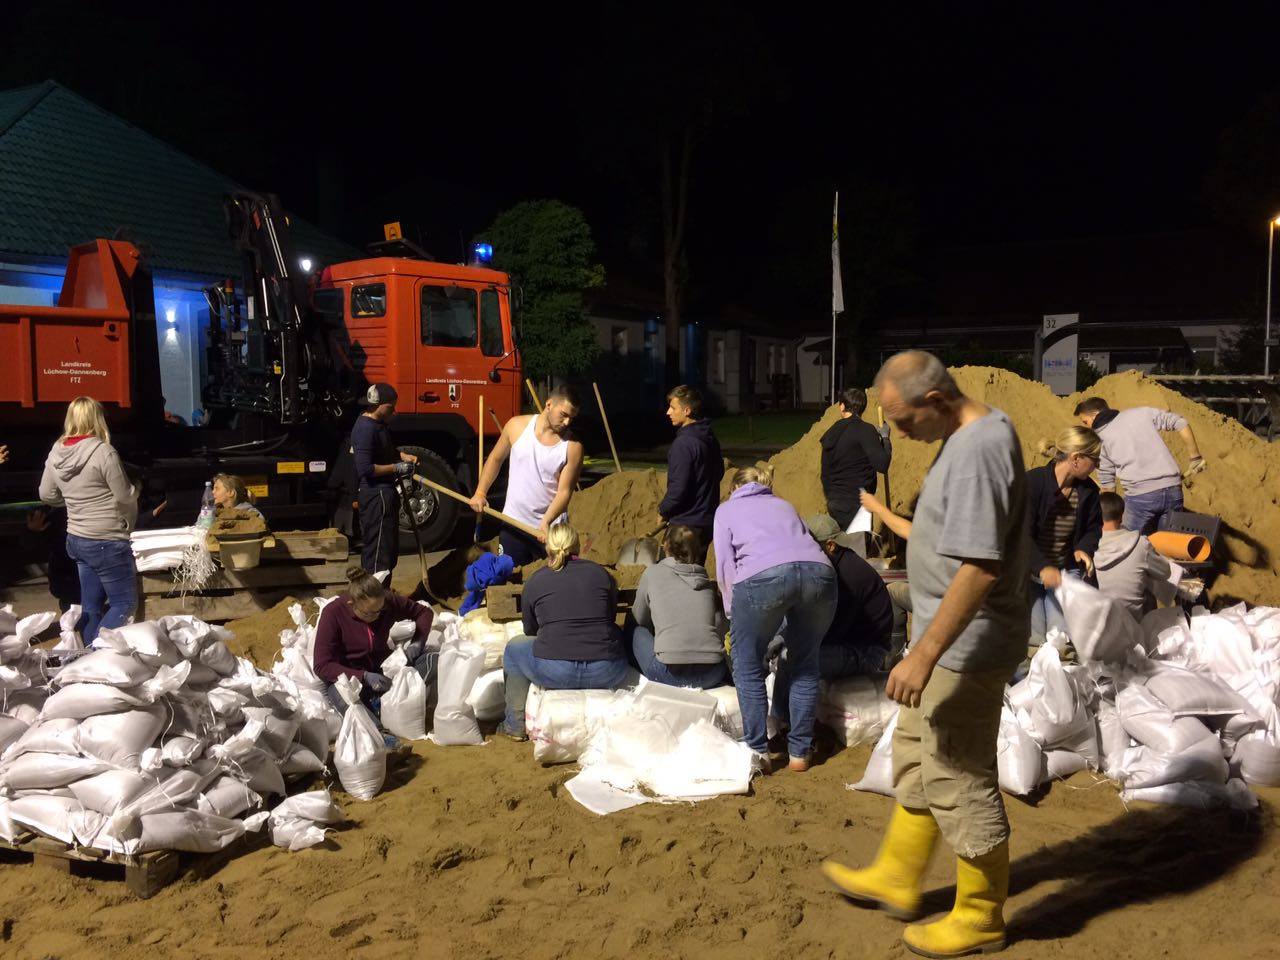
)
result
[(770, 570), (84, 472), (572, 640)]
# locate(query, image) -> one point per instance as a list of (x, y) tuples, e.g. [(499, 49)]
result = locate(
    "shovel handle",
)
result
[(509, 521)]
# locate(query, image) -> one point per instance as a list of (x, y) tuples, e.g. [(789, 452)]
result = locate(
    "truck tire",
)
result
[(437, 514)]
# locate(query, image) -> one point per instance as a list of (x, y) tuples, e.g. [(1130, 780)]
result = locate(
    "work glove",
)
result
[(376, 682), (1194, 467), (404, 469), (413, 650), (883, 430)]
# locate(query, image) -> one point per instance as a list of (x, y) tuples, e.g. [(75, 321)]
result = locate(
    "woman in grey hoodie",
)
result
[(679, 633), (84, 472)]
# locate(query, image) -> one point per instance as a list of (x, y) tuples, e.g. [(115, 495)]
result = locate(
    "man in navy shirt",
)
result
[(694, 467), (378, 466)]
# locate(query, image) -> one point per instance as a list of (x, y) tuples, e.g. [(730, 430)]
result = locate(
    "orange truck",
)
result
[(289, 354)]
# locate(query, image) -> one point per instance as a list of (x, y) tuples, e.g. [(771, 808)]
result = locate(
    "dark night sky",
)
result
[(980, 122)]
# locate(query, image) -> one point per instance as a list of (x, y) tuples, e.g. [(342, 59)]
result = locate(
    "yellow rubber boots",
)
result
[(976, 922), (893, 882)]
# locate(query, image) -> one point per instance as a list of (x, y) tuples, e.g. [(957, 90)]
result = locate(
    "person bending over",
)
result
[(1129, 568), (571, 639), (351, 638), (679, 630)]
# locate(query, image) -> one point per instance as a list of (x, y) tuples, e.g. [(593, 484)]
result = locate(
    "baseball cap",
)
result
[(823, 527), (378, 394)]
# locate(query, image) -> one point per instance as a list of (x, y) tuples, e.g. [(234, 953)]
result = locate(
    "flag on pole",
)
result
[(837, 288)]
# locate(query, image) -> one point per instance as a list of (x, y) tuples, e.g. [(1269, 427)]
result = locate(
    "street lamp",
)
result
[(1266, 336)]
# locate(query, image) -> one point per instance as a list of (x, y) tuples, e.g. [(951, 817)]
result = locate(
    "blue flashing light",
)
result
[(482, 253)]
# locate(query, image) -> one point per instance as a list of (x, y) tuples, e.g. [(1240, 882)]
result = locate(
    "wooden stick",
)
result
[(480, 440), (537, 404), (509, 521), (607, 432), (496, 422)]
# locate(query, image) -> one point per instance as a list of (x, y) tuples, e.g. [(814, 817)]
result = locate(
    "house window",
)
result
[(620, 341), (719, 359)]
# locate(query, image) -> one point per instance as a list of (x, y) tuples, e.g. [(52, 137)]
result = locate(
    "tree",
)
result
[(547, 248)]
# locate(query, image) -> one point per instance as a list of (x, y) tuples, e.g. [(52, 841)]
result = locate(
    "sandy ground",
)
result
[(479, 852)]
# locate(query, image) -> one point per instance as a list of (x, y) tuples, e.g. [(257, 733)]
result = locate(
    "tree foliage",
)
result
[(547, 248)]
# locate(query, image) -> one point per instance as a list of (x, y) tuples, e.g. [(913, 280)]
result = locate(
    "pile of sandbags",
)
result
[(160, 738), (162, 549), (1176, 710)]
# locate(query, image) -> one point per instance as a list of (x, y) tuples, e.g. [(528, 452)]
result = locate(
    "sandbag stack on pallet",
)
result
[(160, 739)]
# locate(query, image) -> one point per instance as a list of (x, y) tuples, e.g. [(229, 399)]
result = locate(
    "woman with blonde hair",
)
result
[(1064, 517), (770, 570), (84, 473), (572, 640)]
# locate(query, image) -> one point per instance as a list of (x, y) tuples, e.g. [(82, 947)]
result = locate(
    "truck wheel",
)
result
[(437, 515)]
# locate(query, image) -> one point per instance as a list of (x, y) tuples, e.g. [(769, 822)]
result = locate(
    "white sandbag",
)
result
[(855, 708), (313, 735), (227, 704), (1221, 644), (878, 776), (1057, 714), (487, 698), (314, 805), (69, 641), (188, 633), (278, 731), (218, 658), (1259, 759), (188, 830), (706, 762), (300, 760), (181, 751), (1191, 694), (561, 722), (170, 789), (314, 705), (1019, 758), (148, 641), (1060, 764), (105, 666), (41, 771), (11, 730), (1157, 622), (110, 790), (296, 664), (8, 829), (455, 722), (24, 705), (359, 753), (1113, 740), (247, 761), (59, 817), (393, 663), (1146, 719), (118, 738), (227, 797), (1100, 627), (404, 706), (1199, 794), (47, 736), (401, 632), (1143, 767), (28, 628), (477, 628), (729, 711)]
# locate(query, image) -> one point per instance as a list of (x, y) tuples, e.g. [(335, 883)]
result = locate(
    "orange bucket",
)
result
[(1180, 546)]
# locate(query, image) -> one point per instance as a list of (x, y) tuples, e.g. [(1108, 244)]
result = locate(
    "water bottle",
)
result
[(205, 520)]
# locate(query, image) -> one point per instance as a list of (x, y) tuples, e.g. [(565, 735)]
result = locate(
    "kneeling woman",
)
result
[(351, 637), (679, 633), (572, 640)]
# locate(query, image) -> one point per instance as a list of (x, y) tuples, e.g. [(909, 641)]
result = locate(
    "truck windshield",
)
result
[(448, 317)]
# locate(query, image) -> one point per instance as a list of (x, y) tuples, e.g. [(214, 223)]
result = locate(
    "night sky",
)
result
[(945, 125)]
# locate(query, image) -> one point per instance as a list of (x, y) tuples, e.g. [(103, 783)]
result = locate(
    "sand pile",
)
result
[(618, 508), (257, 638), (479, 853)]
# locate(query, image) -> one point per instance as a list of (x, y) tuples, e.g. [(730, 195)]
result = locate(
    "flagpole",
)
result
[(837, 288)]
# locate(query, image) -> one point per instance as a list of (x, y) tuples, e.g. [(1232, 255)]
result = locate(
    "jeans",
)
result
[(1045, 611), (522, 669), (835, 660), (108, 583), (700, 675), (1149, 512), (900, 597), (379, 528), (805, 595), (521, 547)]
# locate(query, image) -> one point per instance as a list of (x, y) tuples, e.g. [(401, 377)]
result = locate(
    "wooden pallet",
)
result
[(145, 874)]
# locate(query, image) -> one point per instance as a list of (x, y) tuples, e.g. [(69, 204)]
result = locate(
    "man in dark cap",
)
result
[(378, 466)]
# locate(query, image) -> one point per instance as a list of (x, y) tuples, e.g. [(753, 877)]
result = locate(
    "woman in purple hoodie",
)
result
[(770, 570)]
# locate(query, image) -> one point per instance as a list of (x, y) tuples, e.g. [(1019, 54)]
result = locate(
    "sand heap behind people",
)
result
[(1233, 486)]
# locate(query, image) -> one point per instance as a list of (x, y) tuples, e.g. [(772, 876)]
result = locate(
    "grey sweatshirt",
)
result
[(678, 602), (88, 477), (1134, 451), (1129, 569)]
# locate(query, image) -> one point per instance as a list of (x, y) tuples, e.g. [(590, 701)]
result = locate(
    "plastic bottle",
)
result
[(207, 511)]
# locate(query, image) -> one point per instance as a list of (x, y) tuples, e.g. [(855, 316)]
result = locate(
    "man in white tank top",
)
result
[(545, 464)]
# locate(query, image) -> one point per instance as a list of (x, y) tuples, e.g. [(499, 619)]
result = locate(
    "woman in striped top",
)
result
[(1065, 522)]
